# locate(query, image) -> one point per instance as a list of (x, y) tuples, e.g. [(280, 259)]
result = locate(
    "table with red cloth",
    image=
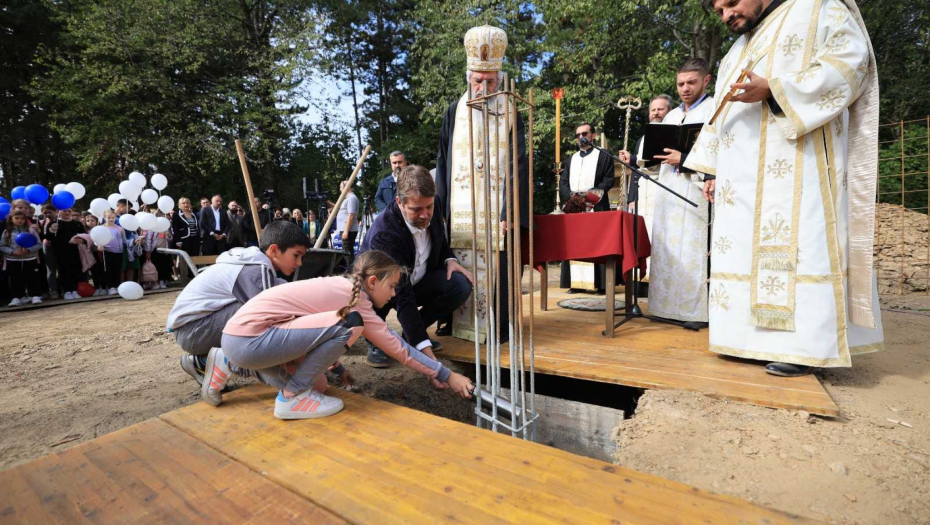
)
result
[(596, 237)]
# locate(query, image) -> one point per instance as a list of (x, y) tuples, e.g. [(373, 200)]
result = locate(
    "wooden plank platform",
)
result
[(147, 473), (646, 354), (378, 463)]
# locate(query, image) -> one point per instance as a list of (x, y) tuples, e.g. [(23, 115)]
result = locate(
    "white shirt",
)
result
[(423, 244), (216, 216)]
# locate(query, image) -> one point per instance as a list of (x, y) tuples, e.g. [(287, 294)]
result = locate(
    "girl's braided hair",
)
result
[(372, 262)]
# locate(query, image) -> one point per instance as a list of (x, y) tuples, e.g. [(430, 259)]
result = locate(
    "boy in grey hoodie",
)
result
[(205, 305)]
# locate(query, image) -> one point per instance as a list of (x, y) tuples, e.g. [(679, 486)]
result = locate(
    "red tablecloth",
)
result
[(589, 237)]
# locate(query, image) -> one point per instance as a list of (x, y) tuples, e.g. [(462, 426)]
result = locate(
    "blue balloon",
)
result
[(2, 200), (63, 200), (5, 208), (26, 240), (36, 193), (18, 192)]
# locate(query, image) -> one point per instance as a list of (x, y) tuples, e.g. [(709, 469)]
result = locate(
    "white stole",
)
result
[(583, 170)]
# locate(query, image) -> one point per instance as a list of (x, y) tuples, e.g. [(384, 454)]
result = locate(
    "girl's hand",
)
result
[(347, 380), (461, 385), (100, 249), (20, 252)]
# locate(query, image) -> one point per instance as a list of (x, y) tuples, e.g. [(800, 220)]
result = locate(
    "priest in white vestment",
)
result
[(658, 108), (587, 169), (485, 47), (679, 264), (795, 160)]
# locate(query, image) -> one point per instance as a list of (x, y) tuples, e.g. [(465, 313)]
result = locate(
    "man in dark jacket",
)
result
[(388, 187), (411, 231), (236, 236), (265, 216), (214, 227)]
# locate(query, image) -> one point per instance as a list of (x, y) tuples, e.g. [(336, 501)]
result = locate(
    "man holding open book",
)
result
[(679, 269)]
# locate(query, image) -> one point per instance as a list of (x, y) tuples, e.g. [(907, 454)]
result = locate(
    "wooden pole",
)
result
[(342, 196), (248, 188)]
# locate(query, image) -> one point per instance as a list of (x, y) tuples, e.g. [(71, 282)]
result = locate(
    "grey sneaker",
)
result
[(377, 358), (189, 364)]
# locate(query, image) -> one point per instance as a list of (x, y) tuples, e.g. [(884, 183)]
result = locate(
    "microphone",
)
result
[(583, 141)]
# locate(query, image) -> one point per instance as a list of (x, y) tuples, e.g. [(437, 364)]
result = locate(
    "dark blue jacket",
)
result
[(386, 192), (390, 234)]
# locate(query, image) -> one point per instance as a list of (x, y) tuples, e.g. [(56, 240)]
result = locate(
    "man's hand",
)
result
[(709, 186), (345, 235), (347, 380), (217, 236), (624, 155), (454, 266), (672, 157), (756, 90), (461, 385), (53, 228), (20, 252)]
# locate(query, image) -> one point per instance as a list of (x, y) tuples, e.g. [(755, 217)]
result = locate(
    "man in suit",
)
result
[(214, 227), (388, 187), (236, 235), (412, 232)]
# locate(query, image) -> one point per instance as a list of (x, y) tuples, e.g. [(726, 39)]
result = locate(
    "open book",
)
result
[(672, 136)]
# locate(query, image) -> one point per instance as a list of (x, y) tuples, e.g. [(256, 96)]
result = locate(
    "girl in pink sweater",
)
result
[(308, 325)]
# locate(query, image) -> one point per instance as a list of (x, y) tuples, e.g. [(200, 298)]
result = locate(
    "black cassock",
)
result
[(444, 189), (604, 180)]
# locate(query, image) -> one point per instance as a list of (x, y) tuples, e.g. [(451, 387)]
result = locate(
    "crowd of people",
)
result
[(64, 262)]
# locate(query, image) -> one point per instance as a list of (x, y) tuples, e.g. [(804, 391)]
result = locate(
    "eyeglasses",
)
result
[(582, 134)]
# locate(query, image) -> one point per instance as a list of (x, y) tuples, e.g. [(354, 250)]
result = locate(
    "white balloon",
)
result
[(137, 179), (135, 206), (147, 221), (165, 204), (113, 200), (59, 187), (149, 196), (98, 206), (129, 222), (101, 235), (130, 290), (163, 225), (76, 189), (159, 181), (129, 190)]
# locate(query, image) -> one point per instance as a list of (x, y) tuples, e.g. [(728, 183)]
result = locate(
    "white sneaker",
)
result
[(15, 302), (36, 300), (71, 295), (112, 291), (216, 376), (97, 292), (308, 405), (162, 285)]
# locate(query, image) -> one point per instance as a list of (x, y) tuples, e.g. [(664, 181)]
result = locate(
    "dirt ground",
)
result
[(870, 466), (69, 374)]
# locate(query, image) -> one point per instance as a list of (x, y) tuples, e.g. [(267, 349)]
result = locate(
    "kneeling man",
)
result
[(411, 231)]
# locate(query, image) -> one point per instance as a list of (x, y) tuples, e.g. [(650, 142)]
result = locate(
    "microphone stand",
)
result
[(633, 311)]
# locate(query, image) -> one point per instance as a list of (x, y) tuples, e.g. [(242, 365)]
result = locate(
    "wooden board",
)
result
[(378, 463), (646, 354), (147, 473)]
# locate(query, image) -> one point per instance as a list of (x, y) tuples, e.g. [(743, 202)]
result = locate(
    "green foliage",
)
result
[(96, 88), (902, 166)]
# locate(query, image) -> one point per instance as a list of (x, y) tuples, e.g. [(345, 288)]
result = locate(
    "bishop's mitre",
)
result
[(485, 47)]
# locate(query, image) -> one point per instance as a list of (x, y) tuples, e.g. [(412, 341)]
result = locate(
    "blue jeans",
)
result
[(436, 297)]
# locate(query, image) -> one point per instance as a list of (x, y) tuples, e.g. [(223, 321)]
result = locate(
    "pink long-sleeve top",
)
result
[(313, 304)]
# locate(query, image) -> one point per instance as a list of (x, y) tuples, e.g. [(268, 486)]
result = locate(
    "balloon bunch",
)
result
[(63, 196)]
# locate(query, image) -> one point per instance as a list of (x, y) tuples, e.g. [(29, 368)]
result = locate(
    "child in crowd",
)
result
[(21, 263), (59, 233), (91, 259), (312, 323), (132, 255), (214, 296), (113, 253), (162, 262)]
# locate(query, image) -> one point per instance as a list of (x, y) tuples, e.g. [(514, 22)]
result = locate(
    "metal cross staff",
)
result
[(629, 104)]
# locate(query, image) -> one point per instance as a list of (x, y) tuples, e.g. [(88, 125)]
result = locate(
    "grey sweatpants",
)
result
[(267, 353), (198, 337)]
